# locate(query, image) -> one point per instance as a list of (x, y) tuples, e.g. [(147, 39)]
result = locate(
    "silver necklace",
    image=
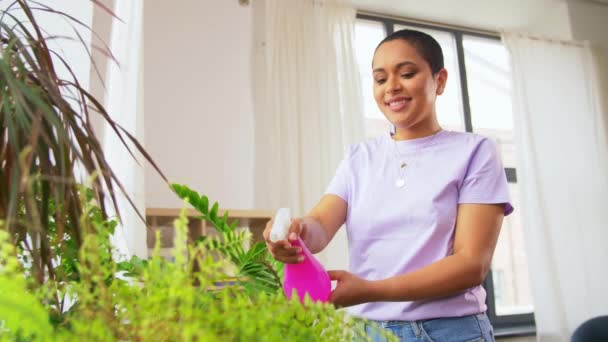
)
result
[(402, 165)]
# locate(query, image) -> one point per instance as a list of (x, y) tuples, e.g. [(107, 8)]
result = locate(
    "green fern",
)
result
[(22, 314), (164, 301)]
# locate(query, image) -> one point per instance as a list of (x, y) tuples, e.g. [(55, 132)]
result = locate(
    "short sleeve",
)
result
[(485, 181), (340, 183)]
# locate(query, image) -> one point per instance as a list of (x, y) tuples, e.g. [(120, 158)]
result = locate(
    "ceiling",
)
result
[(492, 15)]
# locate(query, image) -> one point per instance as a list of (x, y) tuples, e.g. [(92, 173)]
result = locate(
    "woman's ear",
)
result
[(442, 78)]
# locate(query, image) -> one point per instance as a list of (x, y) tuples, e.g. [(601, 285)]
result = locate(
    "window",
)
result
[(449, 105), (476, 99), (368, 34)]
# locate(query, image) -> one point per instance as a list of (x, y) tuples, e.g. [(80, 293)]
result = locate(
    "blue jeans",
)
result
[(471, 328)]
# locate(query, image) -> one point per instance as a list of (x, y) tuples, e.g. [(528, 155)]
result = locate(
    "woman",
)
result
[(422, 207)]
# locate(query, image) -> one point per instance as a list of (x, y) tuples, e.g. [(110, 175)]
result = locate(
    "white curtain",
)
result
[(124, 104), (563, 169), (308, 103)]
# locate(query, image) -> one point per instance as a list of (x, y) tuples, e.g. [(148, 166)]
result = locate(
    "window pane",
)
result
[(449, 104), (510, 265), (488, 77), (367, 36)]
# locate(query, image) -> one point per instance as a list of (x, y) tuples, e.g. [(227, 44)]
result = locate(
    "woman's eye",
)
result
[(380, 80), (408, 75)]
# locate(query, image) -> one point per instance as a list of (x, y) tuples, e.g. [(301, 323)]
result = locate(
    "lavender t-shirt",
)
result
[(393, 231)]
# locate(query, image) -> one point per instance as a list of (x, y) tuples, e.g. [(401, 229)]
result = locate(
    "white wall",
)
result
[(589, 22), (71, 49), (554, 22), (580, 21), (198, 103), (54, 25)]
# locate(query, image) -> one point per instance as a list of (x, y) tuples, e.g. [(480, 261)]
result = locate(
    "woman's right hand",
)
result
[(283, 250)]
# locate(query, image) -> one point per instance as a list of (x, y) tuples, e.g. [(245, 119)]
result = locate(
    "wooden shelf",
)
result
[(162, 219)]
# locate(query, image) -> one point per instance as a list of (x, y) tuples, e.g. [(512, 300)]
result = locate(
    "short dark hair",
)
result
[(427, 46)]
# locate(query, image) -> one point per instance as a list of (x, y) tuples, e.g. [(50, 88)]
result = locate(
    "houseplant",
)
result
[(58, 279), (157, 299), (45, 135)]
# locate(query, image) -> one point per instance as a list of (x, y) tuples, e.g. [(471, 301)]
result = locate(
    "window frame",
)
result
[(504, 325)]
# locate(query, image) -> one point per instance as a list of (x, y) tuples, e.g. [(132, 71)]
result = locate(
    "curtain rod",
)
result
[(431, 23), (496, 34)]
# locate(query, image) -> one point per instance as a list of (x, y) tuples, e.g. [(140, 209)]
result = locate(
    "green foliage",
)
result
[(166, 301), (262, 272), (22, 313)]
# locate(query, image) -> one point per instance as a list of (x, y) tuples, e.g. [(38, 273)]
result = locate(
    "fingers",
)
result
[(294, 259), (266, 232), (334, 299), (336, 275), (283, 251), (295, 229)]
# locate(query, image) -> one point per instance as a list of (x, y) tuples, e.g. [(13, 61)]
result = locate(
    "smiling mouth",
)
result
[(398, 104)]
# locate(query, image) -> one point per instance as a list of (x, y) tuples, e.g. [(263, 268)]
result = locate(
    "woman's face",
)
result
[(404, 86)]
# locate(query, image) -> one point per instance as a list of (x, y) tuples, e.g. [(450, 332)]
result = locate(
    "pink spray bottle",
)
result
[(309, 276)]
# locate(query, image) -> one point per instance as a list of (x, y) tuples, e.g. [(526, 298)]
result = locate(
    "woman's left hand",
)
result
[(350, 290)]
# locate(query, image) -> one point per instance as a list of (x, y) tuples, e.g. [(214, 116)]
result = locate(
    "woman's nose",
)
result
[(393, 85)]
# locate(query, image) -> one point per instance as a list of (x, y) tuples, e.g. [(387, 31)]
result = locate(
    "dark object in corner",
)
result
[(593, 330)]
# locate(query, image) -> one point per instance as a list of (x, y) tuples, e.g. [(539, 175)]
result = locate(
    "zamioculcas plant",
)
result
[(259, 270)]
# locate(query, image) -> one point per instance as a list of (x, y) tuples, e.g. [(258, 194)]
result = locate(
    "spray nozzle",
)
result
[(280, 226)]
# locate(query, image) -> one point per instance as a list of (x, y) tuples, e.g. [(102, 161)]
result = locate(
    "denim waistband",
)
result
[(471, 327), (390, 323)]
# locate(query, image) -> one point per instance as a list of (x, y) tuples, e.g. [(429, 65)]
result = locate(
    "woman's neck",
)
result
[(416, 132)]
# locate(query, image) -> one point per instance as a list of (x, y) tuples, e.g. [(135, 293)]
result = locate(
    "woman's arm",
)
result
[(477, 229), (316, 229), (322, 222)]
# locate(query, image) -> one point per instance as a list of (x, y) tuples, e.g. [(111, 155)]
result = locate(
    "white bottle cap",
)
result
[(280, 226)]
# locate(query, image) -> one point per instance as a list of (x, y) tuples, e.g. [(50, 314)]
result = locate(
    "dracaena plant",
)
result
[(45, 136)]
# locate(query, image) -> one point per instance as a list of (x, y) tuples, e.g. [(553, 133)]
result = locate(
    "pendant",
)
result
[(400, 183)]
